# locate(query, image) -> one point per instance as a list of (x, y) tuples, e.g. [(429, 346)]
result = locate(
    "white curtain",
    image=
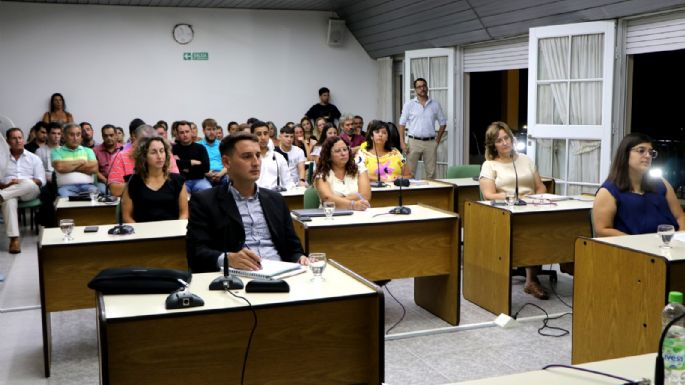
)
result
[(586, 69), (384, 85), (553, 73)]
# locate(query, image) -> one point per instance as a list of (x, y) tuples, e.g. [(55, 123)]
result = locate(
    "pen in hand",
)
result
[(361, 198), (256, 257)]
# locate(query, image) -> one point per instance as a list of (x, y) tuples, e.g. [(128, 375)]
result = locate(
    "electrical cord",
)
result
[(404, 311), (545, 322), (627, 381), (249, 341), (557, 294)]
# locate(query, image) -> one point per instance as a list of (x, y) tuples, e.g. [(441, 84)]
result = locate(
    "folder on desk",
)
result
[(319, 212)]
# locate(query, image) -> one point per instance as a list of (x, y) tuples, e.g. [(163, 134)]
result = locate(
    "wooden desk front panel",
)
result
[(332, 342), (465, 194), (618, 296), (66, 270), (547, 237), (294, 202), (88, 216), (388, 250), (441, 197)]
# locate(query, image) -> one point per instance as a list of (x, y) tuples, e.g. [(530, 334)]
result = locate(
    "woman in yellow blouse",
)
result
[(379, 152)]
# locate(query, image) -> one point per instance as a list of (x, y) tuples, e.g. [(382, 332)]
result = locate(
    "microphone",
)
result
[(121, 228), (278, 187), (517, 201), (227, 281), (401, 210), (379, 182)]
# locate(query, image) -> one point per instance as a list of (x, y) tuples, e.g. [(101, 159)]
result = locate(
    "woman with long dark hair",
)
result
[(338, 179), (380, 157), (58, 110), (630, 201)]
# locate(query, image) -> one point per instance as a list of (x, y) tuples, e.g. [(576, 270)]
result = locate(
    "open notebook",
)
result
[(270, 269), (550, 197)]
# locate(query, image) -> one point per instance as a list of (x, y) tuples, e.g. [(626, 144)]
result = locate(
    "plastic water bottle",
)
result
[(674, 343)]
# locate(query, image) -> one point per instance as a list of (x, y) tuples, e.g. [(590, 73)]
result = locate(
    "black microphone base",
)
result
[(121, 230), (234, 283), (401, 210), (279, 189), (520, 202), (378, 184)]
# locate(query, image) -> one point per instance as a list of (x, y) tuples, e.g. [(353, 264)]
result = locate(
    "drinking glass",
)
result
[(329, 209), (317, 264), (67, 226), (666, 233), (509, 198), (93, 192)]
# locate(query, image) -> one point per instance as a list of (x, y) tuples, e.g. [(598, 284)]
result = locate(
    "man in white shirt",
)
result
[(294, 155), (419, 116), (275, 174), (44, 153), (23, 177)]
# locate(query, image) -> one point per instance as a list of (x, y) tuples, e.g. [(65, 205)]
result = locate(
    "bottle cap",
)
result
[(675, 296)]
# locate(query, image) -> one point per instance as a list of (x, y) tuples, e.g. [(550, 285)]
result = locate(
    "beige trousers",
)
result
[(428, 149), (25, 190)]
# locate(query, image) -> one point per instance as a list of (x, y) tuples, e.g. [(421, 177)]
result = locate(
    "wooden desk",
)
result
[(422, 245), (319, 333), (633, 368), (497, 239), (85, 213), (434, 193), (66, 268), (620, 287)]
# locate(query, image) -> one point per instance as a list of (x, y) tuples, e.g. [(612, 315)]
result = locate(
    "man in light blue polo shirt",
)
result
[(217, 171), (419, 116)]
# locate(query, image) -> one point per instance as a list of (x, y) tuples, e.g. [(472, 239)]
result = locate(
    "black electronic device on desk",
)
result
[(227, 281)]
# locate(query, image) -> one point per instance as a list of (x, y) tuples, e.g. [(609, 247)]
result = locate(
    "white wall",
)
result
[(115, 63)]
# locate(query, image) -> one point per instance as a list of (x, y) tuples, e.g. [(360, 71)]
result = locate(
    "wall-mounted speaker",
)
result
[(336, 32)]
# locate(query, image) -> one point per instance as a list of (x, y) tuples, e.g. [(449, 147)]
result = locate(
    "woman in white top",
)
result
[(498, 177), (328, 131), (338, 179)]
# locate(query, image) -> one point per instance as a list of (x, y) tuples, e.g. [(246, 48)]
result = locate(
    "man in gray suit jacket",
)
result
[(246, 222)]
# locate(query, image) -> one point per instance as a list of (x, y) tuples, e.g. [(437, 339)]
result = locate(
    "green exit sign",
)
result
[(195, 55)]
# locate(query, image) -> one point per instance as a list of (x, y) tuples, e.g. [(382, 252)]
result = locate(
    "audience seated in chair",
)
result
[(75, 166), (274, 170), (192, 158), (293, 154), (217, 172), (105, 152), (22, 180)]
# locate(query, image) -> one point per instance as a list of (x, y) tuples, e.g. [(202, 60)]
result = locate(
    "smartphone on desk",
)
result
[(90, 229)]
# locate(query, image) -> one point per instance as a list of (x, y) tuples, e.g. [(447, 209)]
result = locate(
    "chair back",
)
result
[(311, 198), (463, 171)]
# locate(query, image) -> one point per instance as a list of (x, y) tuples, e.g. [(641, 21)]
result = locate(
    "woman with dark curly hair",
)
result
[(153, 194), (58, 110), (339, 179)]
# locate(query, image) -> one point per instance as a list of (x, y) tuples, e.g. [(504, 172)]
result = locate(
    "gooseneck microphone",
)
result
[(517, 201), (379, 182), (278, 187), (227, 281), (121, 228), (401, 209)]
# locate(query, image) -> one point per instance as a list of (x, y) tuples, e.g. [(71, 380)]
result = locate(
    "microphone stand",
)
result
[(227, 281), (278, 187), (518, 202), (659, 366), (379, 182), (121, 228), (401, 210)]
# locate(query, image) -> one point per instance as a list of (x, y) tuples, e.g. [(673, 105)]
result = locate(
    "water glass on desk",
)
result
[(93, 192), (509, 198), (666, 233), (329, 209), (317, 264), (67, 226)]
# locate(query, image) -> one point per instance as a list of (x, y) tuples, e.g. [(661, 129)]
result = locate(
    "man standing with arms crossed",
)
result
[(419, 116)]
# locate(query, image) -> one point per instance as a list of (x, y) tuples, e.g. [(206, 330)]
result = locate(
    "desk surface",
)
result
[(425, 185), (649, 244), (460, 181), (65, 203), (337, 284), (572, 204), (634, 368), (149, 230), (375, 215)]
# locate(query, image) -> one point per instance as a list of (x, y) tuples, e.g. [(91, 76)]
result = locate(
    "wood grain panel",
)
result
[(333, 342), (66, 271), (294, 202), (547, 237), (88, 216), (389, 250), (442, 197), (618, 295), (487, 265), (465, 194)]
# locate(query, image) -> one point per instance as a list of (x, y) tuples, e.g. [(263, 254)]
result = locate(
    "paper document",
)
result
[(550, 197)]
